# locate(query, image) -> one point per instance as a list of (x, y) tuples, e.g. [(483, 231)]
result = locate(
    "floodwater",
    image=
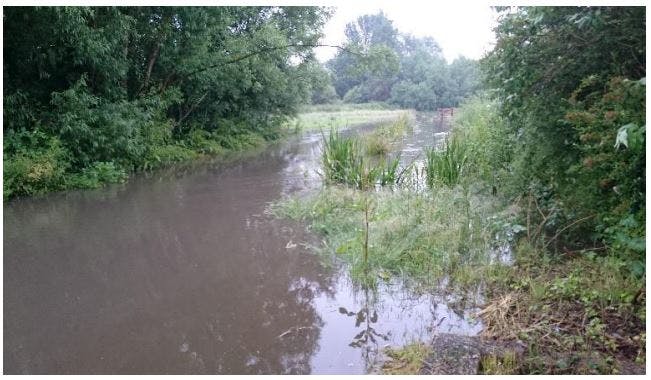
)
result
[(181, 271)]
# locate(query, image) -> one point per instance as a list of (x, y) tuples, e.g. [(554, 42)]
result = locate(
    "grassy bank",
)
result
[(337, 116), (30, 171), (576, 311)]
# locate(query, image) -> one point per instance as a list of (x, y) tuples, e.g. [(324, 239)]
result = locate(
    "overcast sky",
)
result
[(460, 29)]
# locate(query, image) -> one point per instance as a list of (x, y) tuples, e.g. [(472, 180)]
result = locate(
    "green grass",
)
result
[(337, 107), (343, 161), (407, 360), (446, 166), (579, 314), (325, 120), (426, 237), (505, 364)]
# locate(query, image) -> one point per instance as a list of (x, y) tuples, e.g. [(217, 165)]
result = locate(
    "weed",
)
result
[(97, 174), (407, 360), (343, 162), (505, 364), (446, 166)]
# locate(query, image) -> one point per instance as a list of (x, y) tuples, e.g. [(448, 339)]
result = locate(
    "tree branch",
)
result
[(267, 50), (192, 107)]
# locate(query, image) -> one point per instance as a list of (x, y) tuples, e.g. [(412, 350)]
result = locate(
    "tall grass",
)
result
[(379, 142), (343, 162), (423, 237), (448, 165)]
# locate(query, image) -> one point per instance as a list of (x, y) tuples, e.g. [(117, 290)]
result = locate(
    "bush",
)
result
[(203, 142), (160, 156), (490, 148), (32, 170), (98, 174)]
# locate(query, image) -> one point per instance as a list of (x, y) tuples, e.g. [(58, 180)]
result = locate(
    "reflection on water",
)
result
[(181, 271), (359, 323)]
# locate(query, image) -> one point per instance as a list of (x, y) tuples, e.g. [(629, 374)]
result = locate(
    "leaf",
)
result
[(360, 318)]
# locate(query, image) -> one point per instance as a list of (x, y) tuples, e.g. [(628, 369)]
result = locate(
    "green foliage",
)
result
[(345, 159), (568, 84), (33, 164), (489, 145), (610, 170), (98, 174), (140, 87), (446, 166), (381, 64)]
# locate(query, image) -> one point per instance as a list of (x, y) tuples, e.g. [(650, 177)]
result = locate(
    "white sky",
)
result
[(459, 28)]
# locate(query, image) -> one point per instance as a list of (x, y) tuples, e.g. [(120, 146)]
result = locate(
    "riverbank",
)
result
[(445, 231), (40, 172)]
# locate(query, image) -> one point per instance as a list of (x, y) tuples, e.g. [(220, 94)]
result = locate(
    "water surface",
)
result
[(181, 271)]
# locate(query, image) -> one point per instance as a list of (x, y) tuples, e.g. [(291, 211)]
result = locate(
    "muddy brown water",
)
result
[(183, 272)]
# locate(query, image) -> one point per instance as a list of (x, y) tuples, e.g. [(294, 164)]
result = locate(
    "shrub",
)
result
[(98, 174), (30, 170), (160, 156)]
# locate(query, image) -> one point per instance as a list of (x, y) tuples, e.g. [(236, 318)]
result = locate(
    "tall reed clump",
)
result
[(343, 162), (448, 165), (340, 158)]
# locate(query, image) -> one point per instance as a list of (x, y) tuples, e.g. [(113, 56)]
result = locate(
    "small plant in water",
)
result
[(447, 165), (343, 162)]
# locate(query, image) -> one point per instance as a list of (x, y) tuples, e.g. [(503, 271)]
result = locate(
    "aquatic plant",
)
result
[(418, 236), (378, 142), (343, 162), (448, 165)]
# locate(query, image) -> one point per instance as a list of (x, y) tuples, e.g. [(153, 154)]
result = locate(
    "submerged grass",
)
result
[(380, 141), (423, 237), (324, 120)]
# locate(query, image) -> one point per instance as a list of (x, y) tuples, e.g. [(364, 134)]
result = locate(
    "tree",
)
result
[(129, 85), (568, 78), (404, 70), (375, 40)]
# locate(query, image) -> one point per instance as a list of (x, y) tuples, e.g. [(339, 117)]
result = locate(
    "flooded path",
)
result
[(182, 272)]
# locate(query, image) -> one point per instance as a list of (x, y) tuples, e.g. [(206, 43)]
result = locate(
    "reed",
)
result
[(343, 162), (448, 165)]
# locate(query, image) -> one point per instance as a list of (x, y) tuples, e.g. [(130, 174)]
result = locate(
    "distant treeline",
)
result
[(381, 64)]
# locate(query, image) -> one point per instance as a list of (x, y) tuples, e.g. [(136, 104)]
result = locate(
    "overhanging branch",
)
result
[(267, 50)]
